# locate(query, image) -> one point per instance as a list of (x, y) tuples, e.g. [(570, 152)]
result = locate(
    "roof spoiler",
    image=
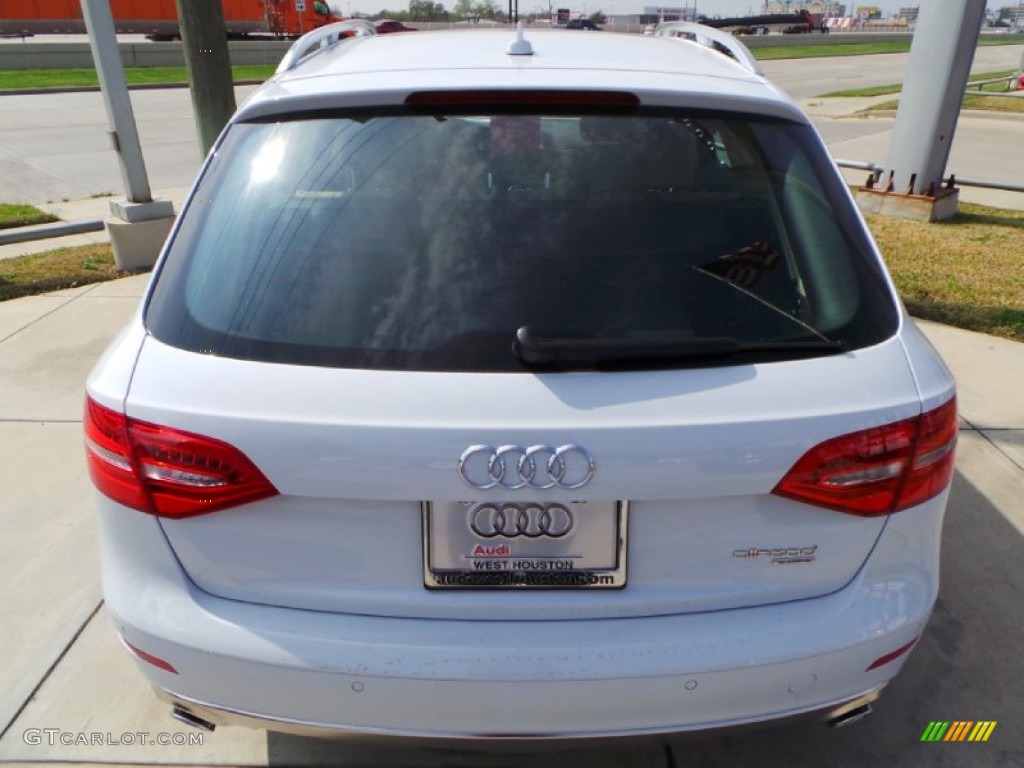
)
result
[(320, 40), (712, 38)]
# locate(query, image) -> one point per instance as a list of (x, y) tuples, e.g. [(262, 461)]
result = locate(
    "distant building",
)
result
[(908, 14), (867, 12), (654, 14), (1012, 15), (822, 8)]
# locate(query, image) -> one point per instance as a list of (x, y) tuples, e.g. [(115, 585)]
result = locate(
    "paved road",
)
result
[(56, 147), (807, 78)]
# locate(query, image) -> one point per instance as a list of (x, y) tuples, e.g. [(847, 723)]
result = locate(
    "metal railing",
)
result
[(952, 180)]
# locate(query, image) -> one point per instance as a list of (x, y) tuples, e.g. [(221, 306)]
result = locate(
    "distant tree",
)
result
[(474, 10), (426, 10), (598, 18), (485, 9)]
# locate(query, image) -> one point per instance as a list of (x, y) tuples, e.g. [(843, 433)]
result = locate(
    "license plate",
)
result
[(524, 545)]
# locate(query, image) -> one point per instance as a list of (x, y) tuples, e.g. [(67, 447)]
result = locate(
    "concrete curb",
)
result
[(45, 231)]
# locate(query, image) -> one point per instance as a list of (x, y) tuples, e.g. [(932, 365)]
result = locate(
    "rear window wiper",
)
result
[(536, 348)]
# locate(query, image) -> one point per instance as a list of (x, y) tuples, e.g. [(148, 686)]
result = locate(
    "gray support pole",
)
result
[(204, 38), (943, 48), (105, 53)]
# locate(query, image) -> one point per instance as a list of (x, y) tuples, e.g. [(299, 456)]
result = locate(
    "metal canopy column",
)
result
[(138, 224), (943, 48), (99, 23)]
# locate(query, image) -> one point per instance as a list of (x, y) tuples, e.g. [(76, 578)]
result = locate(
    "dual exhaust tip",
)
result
[(182, 715)]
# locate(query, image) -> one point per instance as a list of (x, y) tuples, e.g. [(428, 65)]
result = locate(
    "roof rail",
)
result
[(321, 39), (712, 38)]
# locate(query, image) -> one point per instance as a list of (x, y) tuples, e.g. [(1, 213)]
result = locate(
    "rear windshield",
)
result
[(428, 242)]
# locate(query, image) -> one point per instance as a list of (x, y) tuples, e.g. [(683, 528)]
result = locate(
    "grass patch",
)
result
[(967, 271), (57, 270), (987, 104), (1001, 40), (994, 104), (859, 49), (25, 79), (14, 215), (838, 49), (883, 90)]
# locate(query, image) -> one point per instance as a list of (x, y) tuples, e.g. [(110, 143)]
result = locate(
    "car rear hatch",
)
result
[(501, 363), (356, 456)]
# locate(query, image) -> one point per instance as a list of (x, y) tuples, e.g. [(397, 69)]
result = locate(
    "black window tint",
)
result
[(425, 242)]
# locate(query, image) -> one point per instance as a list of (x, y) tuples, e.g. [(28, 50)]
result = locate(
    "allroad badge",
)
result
[(778, 555)]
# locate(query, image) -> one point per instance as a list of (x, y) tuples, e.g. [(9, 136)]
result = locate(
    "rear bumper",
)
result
[(311, 672), (215, 716)]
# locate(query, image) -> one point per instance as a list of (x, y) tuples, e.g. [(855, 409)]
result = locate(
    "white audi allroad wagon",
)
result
[(507, 387)]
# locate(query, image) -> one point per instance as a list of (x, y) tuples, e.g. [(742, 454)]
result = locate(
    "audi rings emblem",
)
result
[(514, 520), (539, 466)]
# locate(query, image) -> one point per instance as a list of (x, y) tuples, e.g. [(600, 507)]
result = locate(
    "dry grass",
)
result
[(986, 103), (994, 103), (57, 270), (967, 272)]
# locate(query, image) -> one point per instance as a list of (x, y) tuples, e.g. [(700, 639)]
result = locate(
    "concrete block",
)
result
[(915, 207), (136, 245)]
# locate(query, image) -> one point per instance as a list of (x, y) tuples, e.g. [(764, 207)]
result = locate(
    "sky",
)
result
[(704, 7)]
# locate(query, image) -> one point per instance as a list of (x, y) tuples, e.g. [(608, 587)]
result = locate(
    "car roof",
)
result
[(383, 70)]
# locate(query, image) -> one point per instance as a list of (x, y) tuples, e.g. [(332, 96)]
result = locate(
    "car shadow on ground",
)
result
[(968, 666)]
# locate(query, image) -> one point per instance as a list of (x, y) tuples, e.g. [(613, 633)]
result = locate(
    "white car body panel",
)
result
[(359, 452)]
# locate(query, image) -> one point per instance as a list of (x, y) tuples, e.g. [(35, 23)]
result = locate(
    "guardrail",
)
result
[(952, 180), (974, 88)]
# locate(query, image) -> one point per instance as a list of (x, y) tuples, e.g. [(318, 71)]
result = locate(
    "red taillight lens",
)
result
[(932, 468), (881, 661), (878, 470), (109, 458), (166, 471), (149, 658)]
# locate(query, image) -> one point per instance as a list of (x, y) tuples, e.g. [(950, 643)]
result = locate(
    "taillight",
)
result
[(165, 471), (878, 470)]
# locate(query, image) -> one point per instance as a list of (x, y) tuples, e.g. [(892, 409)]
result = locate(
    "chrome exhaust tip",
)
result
[(854, 709), (852, 716), (184, 716)]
